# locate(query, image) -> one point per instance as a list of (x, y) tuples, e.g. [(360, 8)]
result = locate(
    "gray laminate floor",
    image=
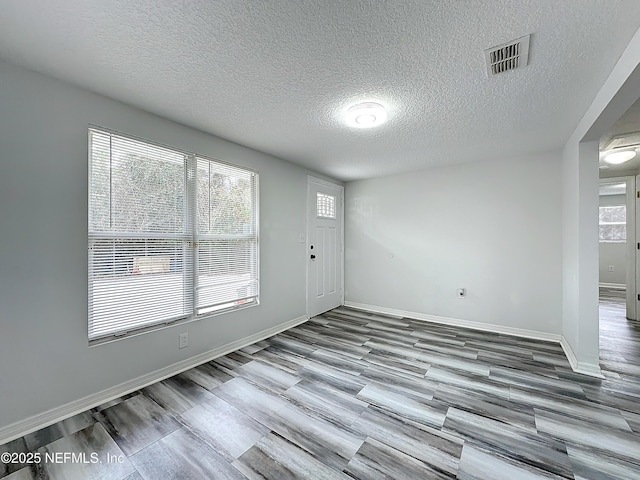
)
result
[(351, 394)]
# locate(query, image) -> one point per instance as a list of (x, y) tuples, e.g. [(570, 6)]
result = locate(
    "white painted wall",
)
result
[(493, 228), (613, 254), (580, 253), (44, 355)]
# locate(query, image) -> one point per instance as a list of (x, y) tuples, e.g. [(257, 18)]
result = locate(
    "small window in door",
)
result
[(326, 206)]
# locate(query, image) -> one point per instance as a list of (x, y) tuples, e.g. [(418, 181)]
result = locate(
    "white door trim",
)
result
[(318, 181)]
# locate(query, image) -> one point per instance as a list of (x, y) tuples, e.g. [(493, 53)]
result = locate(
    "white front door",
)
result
[(324, 246)]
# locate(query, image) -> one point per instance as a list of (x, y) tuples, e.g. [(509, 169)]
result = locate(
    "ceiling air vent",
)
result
[(631, 139), (508, 56)]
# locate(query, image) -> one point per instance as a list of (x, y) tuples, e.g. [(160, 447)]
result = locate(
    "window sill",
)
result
[(163, 326)]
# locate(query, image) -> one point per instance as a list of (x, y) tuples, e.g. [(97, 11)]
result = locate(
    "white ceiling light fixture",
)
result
[(366, 115), (616, 158)]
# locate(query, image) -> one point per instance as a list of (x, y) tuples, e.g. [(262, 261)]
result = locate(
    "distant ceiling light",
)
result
[(617, 158), (366, 115)]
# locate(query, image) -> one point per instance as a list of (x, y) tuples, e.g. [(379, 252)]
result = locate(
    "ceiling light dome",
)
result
[(616, 158), (366, 115)]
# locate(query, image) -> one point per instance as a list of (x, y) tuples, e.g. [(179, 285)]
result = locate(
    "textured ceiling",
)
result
[(277, 75)]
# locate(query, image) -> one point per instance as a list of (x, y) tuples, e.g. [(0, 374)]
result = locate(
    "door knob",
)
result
[(313, 257)]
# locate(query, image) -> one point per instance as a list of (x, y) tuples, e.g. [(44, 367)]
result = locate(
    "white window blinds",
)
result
[(169, 236), (227, 237)]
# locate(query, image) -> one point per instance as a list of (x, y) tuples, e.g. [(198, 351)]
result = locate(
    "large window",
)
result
[(171, 235), (613, 224)]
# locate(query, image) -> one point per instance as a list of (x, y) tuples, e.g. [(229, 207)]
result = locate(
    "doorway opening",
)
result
[(618, 248), (616, 236)]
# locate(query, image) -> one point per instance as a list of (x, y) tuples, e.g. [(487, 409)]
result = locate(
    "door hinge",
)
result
[(638, 194), (639, 298)]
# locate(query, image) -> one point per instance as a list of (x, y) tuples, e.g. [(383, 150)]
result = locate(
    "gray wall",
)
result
[(44, 353), (412, 240), (613, 254)]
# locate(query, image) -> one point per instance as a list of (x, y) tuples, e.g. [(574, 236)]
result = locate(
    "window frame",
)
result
[(601, 223), (197, 236), (328, 203), (190, 236)]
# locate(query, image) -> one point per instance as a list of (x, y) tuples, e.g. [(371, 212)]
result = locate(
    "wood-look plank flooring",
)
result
[(352, 394)]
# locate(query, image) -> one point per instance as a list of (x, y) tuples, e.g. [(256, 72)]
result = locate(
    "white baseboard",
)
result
[(44, 419), (614, 286), (485, 327), (579, 367)]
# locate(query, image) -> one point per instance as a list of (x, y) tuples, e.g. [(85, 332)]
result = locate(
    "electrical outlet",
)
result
[(611, 268), (462, 293), (302, 238), (183, 340)]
